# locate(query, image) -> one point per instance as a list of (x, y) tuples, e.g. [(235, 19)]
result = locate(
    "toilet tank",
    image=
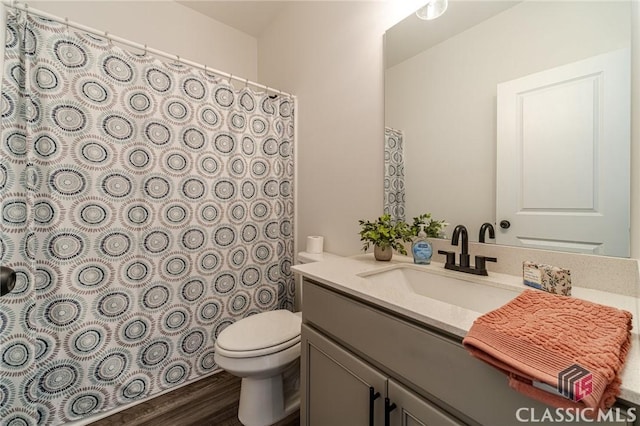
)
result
[(304, 257)]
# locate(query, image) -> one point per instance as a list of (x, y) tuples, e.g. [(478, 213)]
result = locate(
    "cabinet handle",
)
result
[(373, 395), (388, 408)]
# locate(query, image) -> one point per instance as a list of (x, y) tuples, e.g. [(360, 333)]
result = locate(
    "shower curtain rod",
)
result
[(144, 47)]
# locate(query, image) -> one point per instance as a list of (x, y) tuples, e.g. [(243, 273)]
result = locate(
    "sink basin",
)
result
[(479, 297)]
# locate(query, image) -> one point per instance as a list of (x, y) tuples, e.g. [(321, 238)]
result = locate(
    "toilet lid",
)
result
[(260, 331)]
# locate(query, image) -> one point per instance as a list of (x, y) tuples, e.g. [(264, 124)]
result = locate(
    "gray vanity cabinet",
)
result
[(341, 389), (350, 345), (412, 410), (336, 384)]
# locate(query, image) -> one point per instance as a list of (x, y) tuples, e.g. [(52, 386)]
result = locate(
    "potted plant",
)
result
[(433, 228), (386, 235)]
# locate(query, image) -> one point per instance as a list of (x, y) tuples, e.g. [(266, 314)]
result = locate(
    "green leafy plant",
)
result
[(384, 233), (433, 228)]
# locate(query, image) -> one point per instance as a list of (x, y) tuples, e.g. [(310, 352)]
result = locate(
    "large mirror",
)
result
[(442, 106)]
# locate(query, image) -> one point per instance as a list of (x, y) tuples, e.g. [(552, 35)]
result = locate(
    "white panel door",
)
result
[(563, 175)]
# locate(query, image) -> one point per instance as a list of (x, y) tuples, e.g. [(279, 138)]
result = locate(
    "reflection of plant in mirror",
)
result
[(384, 233), (432, 227)]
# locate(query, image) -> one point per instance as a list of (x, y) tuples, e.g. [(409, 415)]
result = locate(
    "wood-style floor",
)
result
[(212, 401)]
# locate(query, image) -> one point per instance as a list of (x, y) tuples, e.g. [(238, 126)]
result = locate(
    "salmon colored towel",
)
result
[(537, 335)]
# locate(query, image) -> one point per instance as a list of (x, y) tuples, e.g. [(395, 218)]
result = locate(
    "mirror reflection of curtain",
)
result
[(394, 173)]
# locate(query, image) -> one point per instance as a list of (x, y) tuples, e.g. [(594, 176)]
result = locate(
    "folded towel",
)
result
[(543, 337)]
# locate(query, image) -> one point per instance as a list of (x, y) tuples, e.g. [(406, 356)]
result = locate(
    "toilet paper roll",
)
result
[(314, 244)]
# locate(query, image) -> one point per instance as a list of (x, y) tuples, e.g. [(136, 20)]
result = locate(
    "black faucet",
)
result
[(483, 231), (480, 266)]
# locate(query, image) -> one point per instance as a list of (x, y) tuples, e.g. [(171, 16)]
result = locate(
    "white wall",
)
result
[(444, 99), (330, 55), (166, 26)]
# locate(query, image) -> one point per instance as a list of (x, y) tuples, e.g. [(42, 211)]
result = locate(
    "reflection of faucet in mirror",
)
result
[(483, 231)]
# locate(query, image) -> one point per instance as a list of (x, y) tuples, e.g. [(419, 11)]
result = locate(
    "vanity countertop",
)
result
[(343, 274)]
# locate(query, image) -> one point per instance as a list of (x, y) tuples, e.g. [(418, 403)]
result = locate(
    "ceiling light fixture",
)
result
[(432, 10)]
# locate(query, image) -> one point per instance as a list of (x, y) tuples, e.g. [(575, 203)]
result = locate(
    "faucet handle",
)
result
[(451, 256), (481, 261)]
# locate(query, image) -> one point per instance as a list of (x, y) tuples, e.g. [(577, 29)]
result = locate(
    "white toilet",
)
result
[(260, 349), (264, 350)]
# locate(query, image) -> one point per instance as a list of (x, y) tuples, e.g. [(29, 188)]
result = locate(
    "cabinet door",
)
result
[(336, 385), (411, 410)]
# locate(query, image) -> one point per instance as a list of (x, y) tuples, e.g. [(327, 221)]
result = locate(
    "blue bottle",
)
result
[(421, 248)]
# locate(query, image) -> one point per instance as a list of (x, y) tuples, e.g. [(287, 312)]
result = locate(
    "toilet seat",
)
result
[(258, 352), (261, 334)]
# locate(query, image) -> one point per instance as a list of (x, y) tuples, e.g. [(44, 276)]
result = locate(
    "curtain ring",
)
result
[(145, 50), (106, 35), (209, 73), (23, 17), (26, 13), (230, 77), (246, 83)]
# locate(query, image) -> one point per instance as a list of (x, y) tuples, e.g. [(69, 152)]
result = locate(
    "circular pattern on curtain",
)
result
[(146, 206)]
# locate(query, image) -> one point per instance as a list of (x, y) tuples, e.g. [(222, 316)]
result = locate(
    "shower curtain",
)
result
[(394, 174), (145, 207)]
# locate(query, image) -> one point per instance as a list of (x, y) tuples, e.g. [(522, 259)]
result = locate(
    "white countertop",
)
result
[(343, 275)]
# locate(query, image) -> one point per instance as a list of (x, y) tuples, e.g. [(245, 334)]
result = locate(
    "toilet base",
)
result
[(265, 401)]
